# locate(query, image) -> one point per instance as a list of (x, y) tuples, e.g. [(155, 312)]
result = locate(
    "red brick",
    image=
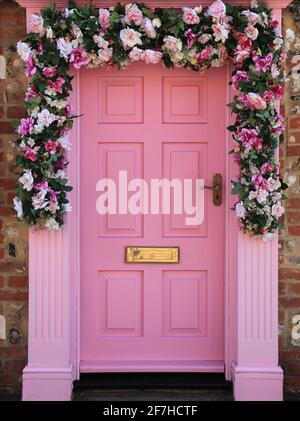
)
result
[(1, 224), (293, 216), (16, 112), (293, 150), (12, 32), (294, 230), (289, 303), (294, 289), (12, 352), (17, 281), (13, 296), (293, 203), (8, 184), (11, 267), (294, 369), (296, 136), (6, 127), (1, 112), (1, 281), (10, 197), (294, 123), (1, 253), (14, 366), (290, 355), (6, 211), (281, 289), (289, 274)]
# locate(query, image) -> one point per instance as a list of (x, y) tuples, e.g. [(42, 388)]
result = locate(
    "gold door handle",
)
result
[(217, 189)]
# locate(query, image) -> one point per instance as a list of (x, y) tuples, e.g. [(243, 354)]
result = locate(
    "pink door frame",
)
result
[(251, 285)]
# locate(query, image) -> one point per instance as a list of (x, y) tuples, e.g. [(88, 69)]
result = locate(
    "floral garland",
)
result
[(194, 38)]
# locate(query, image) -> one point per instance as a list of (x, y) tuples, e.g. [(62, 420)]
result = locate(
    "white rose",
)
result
[(240, 210), (172, 44), (39, 201), (27, 180), (149, 28), (64, 142), (277, 210), (23, 50), (65, 48), (18, 207), (156, 22), (130, 38)]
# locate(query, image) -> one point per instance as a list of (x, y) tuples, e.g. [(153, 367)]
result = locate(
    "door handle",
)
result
[(216, 188)]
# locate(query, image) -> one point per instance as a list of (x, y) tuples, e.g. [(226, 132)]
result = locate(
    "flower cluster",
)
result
[(193, 38)]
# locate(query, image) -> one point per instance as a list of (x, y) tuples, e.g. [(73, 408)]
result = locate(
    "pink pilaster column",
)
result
[(48, 374), (256, 373)]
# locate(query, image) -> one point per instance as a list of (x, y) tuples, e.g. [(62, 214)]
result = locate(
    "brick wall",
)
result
[(13, 236), (289, 247)]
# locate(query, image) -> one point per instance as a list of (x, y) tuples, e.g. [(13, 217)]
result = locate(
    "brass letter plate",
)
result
[(152, 255)]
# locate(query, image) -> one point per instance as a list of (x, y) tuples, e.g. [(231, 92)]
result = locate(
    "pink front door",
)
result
[(153, 123)]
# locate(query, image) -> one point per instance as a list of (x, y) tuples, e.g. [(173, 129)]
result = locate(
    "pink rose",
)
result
[(49, 71), (217, 9), (266, 167), (242, 51), (191, 38), (204, 54), (259, 182), (79, 58), (30, 68), (204, 38), (251, 32), (268, 96), (104, 15), (136, 54), (250, 138), (31, 153), (278, 125), (253, 18), (51, 146), (239, 76), (57, 85), (25, 126), (43, 185), (254, 101), (263, 63), (189, 16), (31, 93), (277, 91), (152, 57), (133, 15), (220, 32), (36, 24)]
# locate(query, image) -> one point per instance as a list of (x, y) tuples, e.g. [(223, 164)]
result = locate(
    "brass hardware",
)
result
[(217, 189), (151, 254)]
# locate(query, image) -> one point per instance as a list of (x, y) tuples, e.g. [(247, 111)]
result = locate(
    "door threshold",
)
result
[(193, 366), (160, 380)]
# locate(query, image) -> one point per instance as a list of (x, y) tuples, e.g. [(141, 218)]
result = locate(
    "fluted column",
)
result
[(256, 373), (48, 374)]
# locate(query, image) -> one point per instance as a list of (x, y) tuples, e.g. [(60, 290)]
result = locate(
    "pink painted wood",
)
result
[(153, 123)]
